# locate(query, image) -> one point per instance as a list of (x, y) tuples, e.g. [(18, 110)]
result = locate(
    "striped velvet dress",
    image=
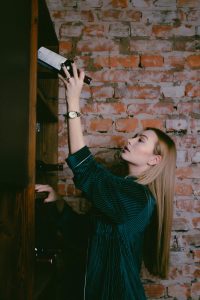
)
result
[(123, 210)]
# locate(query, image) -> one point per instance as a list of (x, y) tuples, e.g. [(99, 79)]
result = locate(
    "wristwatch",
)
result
[(72, 114)]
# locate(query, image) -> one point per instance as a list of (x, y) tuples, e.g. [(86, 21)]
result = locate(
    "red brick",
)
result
[(111, 108), (152, 123), (195, 289), (110, 15), (179, 291), (86, 91), (186, 141), (134, 109), (188, 3), (119, 29), (94, 30), (193, 61), (188, 107), (105, 141), (89, 108), (162, 30), (61, 156), (192, 239), (150, 45), (192, 90), (73, 15), (176, 125), (65, 46), (70, 30), (186, 205), (183, 189), (196, 222), (196, 255), (83, 62), (180, 271), (197, 206), (160, 108), (126, 61), (193, 15), (188, 172), (175, 61), (139, 92), (180, 224), (147, 76), (96, 45), (126, 125), (102, 92), (62, 140), (57, 14), (195, 125), (120, 3), (152, 61), (111, 76), (101, 125), (154, 290), (133, 16), (187, 75), (91, 3)]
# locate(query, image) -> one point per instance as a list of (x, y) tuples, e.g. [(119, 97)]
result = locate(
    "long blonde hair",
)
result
[(160, 179)]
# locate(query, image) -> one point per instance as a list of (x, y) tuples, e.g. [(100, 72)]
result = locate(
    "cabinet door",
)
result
[(17, 151), (14, 93)]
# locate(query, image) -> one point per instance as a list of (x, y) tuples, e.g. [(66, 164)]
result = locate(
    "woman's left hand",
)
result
[(73, 85), (52, 195)]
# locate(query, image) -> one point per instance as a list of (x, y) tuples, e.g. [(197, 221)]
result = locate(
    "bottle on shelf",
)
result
[(53, 62)]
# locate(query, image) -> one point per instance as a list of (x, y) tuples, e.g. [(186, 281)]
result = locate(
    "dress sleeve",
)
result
[(118, 198)]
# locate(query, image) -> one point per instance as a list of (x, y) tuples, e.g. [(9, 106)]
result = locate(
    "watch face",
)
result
[(72, 114)]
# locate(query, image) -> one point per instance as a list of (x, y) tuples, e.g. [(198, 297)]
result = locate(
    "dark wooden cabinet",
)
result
[(28, 132)]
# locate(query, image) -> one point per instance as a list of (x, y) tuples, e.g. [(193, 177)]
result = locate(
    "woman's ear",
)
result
[(155, 160)]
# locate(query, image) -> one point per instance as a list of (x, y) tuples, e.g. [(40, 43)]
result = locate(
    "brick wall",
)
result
[(144, 58)]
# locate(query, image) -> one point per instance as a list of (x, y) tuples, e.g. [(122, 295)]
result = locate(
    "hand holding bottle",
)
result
[(73, 86), (52, 195)]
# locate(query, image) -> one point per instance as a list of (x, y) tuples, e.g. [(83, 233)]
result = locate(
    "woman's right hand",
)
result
[(52, 195)]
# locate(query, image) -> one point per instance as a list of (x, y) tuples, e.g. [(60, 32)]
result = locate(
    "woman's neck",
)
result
[(135, 170)]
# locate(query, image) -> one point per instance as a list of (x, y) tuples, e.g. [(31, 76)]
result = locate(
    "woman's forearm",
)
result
[(73, 87), (75, 132)]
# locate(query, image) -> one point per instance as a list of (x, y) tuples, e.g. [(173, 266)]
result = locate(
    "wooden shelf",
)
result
[(44, 73), (44, 111)]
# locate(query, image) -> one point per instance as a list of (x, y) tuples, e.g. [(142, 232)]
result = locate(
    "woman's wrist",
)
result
[(74, 105)]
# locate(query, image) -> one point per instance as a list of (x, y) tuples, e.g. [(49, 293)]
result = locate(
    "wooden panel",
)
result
[(14, 93), (46, 34), (17, 159)]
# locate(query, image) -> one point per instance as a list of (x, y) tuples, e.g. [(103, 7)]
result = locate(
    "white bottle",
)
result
[(54, 61)]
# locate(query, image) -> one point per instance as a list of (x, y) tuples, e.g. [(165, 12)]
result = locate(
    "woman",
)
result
[(132, 213)]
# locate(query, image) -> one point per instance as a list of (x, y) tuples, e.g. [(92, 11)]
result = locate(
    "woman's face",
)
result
[(139, 150)]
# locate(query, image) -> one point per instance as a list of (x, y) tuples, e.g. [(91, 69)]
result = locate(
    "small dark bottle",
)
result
[(54, 61)]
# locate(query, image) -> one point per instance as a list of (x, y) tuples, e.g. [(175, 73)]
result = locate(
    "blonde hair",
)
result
[(160, 180)]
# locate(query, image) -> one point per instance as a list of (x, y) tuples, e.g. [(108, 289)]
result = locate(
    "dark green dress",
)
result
[(123, 210)]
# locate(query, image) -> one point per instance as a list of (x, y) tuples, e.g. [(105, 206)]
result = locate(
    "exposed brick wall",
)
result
[(144, 58)]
